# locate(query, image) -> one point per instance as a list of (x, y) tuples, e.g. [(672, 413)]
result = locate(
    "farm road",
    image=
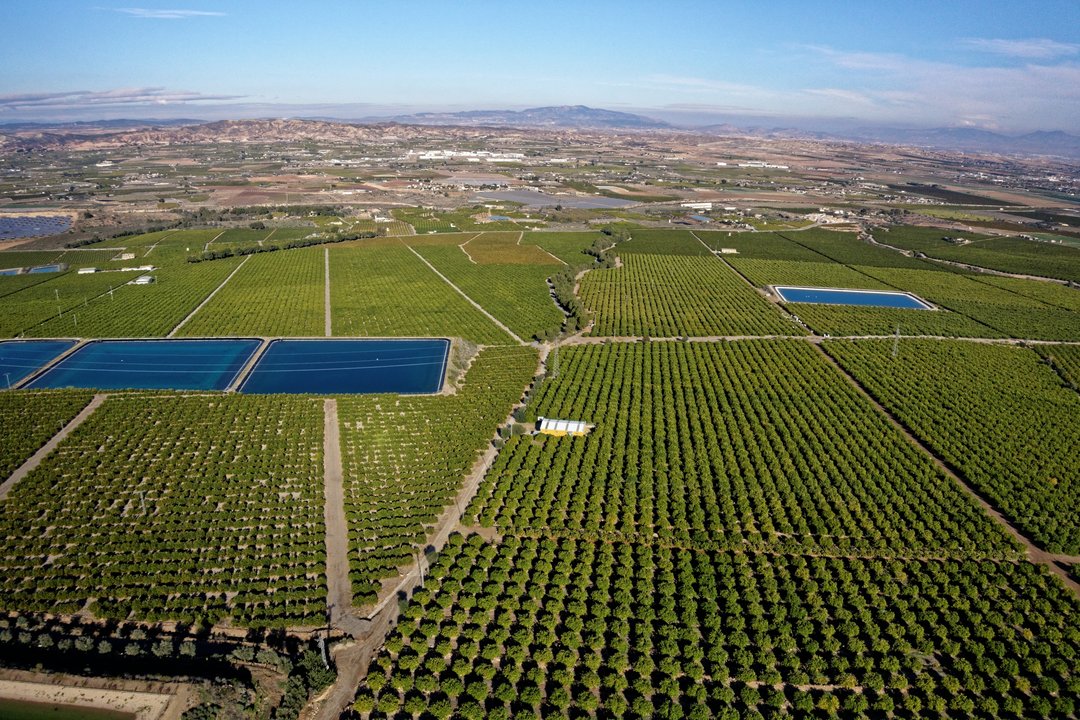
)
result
[(338, 586)]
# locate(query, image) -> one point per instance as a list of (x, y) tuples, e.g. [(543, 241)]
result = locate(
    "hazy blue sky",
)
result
[(1000, 64)]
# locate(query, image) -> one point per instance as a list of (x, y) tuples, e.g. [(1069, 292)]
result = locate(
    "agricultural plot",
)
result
[(23, 258), (14, 283), (1014, 255), (1066, 360), (1018, 256), (29, 419), (145, 310), (1007, 312), (241, 236), (433, 221), (504, 248), (839, 320), (996, 413), (202, 509), (89, 257), (406, 458), (168, 246), (921, 239), (763, 246), (67, 295), (574, 627), (814, 274), (848, 249), (518, 295), (158, 248), (383, 290), (425, 221), (670, 295), (661, 242), (726, 445), (279, 293), (567, 246), (1059, 296)]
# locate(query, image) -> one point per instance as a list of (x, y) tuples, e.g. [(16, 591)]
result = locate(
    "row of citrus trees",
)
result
[(183, 508), (405, 459), (997, 413), (29, 419), (574, 626), (720, 445), (675, 295)]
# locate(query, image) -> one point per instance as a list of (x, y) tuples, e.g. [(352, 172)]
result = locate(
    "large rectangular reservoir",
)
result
[(19, 358), (331, 367), (151, 365), (838, 296)]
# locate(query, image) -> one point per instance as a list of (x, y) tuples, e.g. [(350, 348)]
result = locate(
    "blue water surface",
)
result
[(331, 367), (151, 365), (44, 269), (19, 358), (866, 298)]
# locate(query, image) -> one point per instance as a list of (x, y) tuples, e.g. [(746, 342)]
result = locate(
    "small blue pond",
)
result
[(151, 365), (44, 269), (330, 367), (19, 358), (865, 298)]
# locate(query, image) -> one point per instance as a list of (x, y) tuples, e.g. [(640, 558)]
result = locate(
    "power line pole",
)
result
[(896, 342)]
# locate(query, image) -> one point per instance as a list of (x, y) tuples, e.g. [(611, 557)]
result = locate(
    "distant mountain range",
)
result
[(561, 116), (975, 140), (957, 139), (74, 134)]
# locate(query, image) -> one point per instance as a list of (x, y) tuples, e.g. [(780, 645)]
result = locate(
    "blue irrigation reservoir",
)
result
[(19, 358), (151, 365), (864, 298), (45, 269), (332, 367)]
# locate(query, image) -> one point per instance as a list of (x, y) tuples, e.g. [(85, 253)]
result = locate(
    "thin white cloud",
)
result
[(697, 84), (1030, 48), (158, 14), (121, 97), (851, 97), (1006, 96)]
